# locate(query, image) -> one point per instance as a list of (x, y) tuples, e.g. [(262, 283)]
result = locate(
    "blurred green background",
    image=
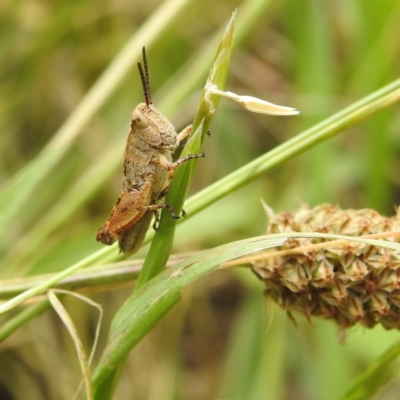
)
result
[(220, 342)]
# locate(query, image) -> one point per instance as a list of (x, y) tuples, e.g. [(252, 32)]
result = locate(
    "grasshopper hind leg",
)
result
[(130, 240)]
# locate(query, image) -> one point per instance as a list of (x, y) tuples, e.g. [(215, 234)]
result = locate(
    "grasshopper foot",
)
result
[(171, 210), (156, 220)]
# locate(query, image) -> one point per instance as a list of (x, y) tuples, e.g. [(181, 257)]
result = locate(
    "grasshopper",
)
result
[(147, 171)]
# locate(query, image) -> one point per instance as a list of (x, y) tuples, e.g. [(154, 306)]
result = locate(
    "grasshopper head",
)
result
[(138, 117)]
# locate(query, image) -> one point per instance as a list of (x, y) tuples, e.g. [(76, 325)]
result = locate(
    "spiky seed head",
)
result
[(347, 282)]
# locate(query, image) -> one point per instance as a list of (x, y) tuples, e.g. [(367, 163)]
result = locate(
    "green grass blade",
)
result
[(15, 323), (192, 74), (162, 242), (150, 302), (376, 375), (339, 122), (41, 288)]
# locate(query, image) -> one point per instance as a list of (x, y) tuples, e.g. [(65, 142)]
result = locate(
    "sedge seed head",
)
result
[(347, 282)]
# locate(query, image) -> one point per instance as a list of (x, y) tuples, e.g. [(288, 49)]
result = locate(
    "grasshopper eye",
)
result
[(138, 120)]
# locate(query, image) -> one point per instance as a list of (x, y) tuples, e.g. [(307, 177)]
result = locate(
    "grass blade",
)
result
[(154, 299)]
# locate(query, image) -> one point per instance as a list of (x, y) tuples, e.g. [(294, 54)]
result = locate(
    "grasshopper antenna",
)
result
[(144, 76)]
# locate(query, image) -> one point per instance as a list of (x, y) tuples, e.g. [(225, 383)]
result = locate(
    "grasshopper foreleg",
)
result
[(184, 133), (169, 166)]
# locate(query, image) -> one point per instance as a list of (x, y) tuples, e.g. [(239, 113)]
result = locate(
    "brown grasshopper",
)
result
[(147, 169)]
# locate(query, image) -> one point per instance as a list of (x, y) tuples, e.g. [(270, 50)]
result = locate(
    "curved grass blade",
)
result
[(154, 299), (376, 375)]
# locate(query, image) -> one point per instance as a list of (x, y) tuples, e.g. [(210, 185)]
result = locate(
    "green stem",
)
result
[(161, 245)]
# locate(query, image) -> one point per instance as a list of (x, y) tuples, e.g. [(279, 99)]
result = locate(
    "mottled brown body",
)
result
[(147, 169)]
